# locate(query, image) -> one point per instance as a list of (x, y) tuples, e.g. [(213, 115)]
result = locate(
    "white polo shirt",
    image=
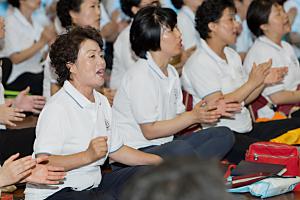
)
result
[(186, 25), (20, 35), (245, 39), (124, 58), (67, 124), (264, 49), (205, 73), (146, 95)]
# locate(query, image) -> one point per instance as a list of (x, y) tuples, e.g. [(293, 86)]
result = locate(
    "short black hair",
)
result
[(185, 178), (210, 11), (126, 6), (63, 9), (66, 47), (177, 3), (14, 3), (146, 28), (258, 14)]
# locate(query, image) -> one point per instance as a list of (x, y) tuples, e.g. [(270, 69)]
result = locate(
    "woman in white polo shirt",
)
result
[(75, 127), (269, 22), (24, 43), (148, 106), (216, 71)]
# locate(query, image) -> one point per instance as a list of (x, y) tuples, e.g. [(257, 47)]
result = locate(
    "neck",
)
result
[(26, 12), (274, 37), (161, 60), (192, 8), (85, 91), (217, 46)]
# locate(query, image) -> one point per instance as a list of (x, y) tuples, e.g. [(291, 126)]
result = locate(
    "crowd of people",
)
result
[(106, 79)]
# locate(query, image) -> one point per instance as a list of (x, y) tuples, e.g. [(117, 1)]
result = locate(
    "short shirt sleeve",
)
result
[(203, 76), (143, 97), (50, 134)]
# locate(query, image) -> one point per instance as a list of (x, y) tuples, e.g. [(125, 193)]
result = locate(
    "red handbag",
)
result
[(275, 153)]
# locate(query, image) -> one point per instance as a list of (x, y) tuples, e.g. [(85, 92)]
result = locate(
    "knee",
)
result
[(225, 134)]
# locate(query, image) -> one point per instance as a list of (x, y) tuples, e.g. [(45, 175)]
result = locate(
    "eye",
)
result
[(92, 56)]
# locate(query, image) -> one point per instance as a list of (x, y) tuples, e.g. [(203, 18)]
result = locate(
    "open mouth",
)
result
[(101, 72)]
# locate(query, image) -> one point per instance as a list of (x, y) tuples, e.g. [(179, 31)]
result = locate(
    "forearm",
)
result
[(285, 97), (21, 56), (132, 157), (242, 93), (69, 162), (254, 94), (166, 128)]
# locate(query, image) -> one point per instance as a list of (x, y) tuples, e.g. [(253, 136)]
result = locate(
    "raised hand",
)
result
[(14, 170), (97, 149), (45, 174), (227, 107), (33, 103), (206, 113), (276, 75), (259, 73), (8, 114)]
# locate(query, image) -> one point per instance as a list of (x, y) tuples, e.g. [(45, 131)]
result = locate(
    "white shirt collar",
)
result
[(211, 53), (80, 99), (21, 18), (266, 40), (156, 68)]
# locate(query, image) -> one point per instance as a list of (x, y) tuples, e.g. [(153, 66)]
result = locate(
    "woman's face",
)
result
[(278, 21), (89, 14), (89, 68), (170, 41), (31, 4), (226, 28)]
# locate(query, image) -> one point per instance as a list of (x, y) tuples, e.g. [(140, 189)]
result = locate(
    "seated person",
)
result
[(76, 128), (11, 111), (215, 71), (24, 41), (148, 106), (75, 13), (269, 23), (123, 58)]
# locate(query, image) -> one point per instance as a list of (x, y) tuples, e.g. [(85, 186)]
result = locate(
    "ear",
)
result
[(72, 67), (264, 27), (74, 16), (134, 9), (212, 26)]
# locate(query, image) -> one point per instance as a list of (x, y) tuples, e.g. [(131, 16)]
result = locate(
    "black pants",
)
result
[(206, 144), (16, 141), (110, 188), (263, 131), (296, 114), (34, 81)]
